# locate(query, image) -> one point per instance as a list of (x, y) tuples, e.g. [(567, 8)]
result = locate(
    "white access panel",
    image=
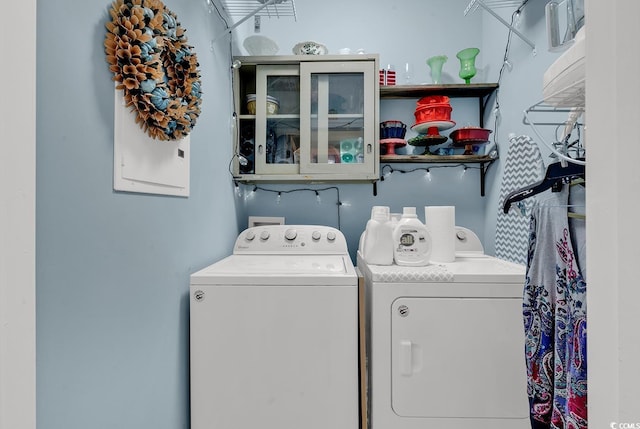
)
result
[(274, 357), (449, 353), (142, 164)]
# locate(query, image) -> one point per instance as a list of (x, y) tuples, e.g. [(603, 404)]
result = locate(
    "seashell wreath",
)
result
[(147, 52)]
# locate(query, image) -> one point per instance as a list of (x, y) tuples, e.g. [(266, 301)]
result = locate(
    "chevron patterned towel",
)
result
[(523, 166)]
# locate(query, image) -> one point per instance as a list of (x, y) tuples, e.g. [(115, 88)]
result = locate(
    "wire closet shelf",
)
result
[(489, 5), (255, 9), (267, 8)]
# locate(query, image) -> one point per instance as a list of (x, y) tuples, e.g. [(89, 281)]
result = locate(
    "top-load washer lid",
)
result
[(284, 255), (295, 270)]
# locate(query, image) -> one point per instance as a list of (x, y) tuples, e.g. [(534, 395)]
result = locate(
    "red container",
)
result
[(435, 112), (469, 135), (391, 77), (433, 99), (387, 77)]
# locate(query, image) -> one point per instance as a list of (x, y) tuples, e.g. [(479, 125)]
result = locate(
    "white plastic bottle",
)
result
[(411, 239), (378, 238), (364, 233)]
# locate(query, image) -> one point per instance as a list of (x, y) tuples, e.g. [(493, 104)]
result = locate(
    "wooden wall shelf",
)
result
[(484, 161), (452, 90)]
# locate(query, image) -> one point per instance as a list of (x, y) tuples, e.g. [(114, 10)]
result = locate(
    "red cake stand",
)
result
[(391, 144)]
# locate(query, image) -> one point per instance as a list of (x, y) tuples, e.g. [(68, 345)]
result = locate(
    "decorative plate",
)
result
[(260, 45), (309, 48), (427, 140), (423, 127)]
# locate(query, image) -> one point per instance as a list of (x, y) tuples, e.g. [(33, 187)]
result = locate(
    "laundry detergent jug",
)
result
[(411, 239)]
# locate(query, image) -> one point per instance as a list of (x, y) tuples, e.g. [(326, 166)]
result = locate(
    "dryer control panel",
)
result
[(287, 239)]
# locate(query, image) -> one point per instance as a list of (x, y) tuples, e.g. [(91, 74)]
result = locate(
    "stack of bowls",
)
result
[(392, 130), (433, 108), (391, 135), (272, 104)]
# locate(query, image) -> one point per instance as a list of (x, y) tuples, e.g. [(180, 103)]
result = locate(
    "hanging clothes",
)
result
[(554, 310)]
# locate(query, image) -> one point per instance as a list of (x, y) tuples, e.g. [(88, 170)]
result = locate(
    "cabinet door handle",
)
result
[(260, 149), (369, 148)]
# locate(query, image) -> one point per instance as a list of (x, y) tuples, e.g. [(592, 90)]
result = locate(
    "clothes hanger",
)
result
[(554, 175)]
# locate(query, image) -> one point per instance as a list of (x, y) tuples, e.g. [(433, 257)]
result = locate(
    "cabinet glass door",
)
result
[(337, 114), (277, 119)]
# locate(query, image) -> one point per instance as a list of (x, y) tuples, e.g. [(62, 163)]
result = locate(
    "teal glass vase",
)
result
[(435, 64), (467, 59)]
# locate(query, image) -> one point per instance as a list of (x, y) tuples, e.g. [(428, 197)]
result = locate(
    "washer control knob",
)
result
[(290, 234), (250, 236), (315, 235), (264, 235), (331, 236)]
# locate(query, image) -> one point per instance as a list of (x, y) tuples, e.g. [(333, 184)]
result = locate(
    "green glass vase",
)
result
[(435, 64), (467, 59)]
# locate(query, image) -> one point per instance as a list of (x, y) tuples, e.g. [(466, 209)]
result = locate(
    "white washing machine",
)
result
[(446, 344), (274, 333)]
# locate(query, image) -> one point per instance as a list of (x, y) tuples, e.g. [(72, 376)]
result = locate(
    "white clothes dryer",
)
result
[(274, 333), (446, 344)]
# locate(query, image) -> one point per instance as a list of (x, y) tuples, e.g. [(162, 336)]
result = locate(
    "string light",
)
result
[(516, 19), (251, 194), (232, 122), (496, 112), (388, 170), (339, 202)]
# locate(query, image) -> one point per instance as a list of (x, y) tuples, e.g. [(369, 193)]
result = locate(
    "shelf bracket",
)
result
[(474, 5), (483, 174)]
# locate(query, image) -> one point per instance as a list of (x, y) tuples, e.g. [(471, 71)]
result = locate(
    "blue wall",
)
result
[(113, 268)]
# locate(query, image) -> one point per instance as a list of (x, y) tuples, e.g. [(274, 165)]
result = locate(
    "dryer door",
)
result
[(458, 358)]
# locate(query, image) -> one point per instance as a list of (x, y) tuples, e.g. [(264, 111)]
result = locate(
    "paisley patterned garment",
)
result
[(554, 311)]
